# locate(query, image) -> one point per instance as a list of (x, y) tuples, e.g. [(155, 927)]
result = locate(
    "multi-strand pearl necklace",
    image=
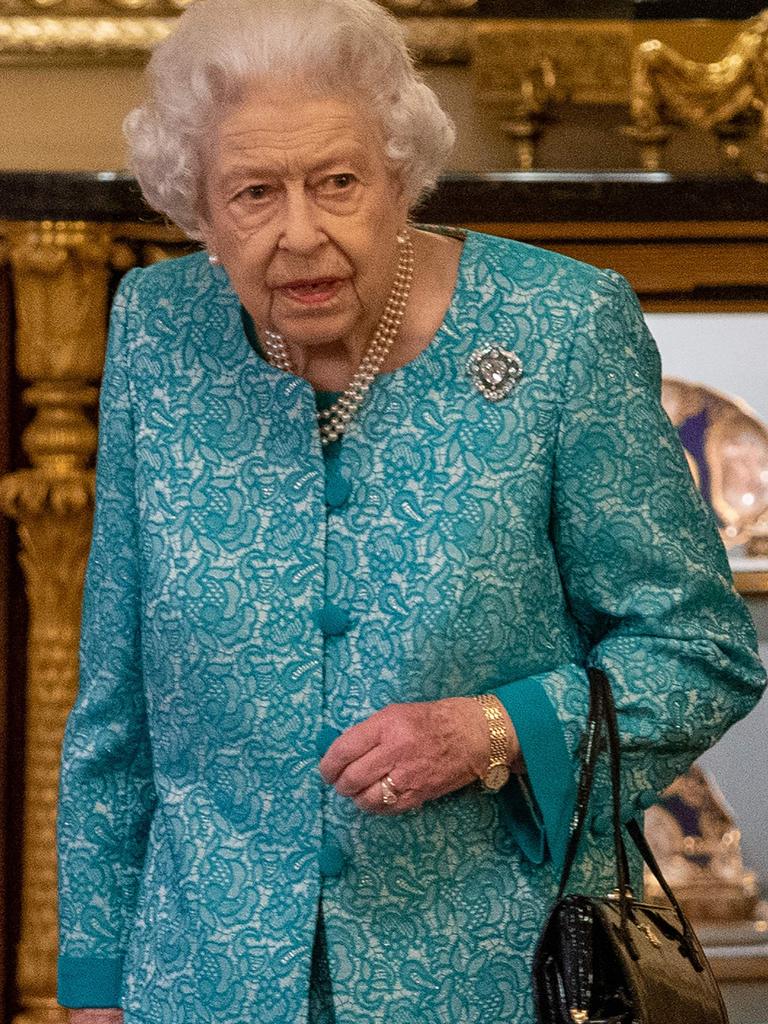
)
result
[(333, 420)]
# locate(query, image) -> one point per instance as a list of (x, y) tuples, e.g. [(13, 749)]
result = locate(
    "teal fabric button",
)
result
[(337, 488), (333, 619), (325, 738), (331, 860)]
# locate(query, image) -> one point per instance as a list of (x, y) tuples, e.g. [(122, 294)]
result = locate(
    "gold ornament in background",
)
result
[(537, 96), (728, 97), (590, 58), (60, 278), (74, 40), (698, 846), (526, 70), (734, 447), (84, 40), (59, 273)]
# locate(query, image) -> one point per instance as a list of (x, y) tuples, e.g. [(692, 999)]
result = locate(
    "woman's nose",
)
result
[(301, 230)]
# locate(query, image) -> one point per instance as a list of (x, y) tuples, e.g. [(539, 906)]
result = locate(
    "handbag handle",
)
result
[(598, 718), (602, 713), (638, 838)]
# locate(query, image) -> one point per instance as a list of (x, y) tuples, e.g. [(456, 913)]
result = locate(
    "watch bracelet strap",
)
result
[(493, 711)]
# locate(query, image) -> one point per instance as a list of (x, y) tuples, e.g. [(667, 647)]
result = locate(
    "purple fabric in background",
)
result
[(693, 434)]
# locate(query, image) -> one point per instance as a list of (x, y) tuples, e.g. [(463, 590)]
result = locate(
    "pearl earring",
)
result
[(213, 259)]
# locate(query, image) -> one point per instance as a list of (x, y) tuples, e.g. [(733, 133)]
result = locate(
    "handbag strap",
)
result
[(586, 779), (602, 715), (638, 838), (599, 718)]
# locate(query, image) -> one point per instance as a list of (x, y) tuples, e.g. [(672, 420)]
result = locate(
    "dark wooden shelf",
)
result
[(535, 196)]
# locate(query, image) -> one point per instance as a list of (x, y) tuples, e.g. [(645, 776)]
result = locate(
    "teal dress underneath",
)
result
[(320, 993)]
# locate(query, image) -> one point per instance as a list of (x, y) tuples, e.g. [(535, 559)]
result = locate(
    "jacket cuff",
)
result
[(540, 804), (521, 810), (89, 981)]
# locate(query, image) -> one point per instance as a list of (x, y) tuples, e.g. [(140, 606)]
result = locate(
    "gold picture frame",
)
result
[(87, 32)]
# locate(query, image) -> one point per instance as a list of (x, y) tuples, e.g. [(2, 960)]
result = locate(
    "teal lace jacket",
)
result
[(244, 603)]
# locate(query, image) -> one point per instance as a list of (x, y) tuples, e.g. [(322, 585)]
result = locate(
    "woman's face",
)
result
[(303, 211)]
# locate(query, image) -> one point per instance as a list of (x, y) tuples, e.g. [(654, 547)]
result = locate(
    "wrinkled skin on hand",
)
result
[(429, 748)]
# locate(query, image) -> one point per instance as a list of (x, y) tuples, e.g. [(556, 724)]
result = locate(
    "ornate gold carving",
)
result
[(60, 284), (728, 96), (85, 40), (60, 270), (536, 94), (60, 276), (89, 40), (54, 523), (525, 69), (589, 58)]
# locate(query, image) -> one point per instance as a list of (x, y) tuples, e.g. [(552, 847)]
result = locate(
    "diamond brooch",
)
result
[(494, 371)]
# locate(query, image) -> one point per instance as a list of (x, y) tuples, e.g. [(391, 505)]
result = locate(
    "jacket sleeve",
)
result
[(645, 575), (106, 794)]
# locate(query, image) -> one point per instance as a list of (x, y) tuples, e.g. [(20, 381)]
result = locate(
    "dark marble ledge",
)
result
[(619, 9), (517, 196)]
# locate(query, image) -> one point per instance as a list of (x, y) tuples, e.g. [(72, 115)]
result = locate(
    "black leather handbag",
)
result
[(614, 959)]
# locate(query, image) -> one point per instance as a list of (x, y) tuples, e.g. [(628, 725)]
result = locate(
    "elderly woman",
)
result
[(370, 496)]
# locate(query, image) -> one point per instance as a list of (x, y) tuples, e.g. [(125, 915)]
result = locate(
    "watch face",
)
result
[(496, 776)]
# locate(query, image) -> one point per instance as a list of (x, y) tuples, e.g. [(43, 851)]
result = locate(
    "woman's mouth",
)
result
[(312, 291)]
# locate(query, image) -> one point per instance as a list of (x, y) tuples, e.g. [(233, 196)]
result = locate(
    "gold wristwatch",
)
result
[(497, 772)]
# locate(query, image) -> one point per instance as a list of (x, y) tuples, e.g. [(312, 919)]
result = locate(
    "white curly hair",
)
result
[(350, 48)]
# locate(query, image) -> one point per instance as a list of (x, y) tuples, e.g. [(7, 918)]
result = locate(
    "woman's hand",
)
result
[(97, 1015), (429, 748)]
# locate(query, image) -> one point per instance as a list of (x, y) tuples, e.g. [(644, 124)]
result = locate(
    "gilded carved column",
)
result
[(60, 274)]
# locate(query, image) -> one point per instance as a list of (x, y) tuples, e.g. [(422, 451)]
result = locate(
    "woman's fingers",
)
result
[(432, 747), (362, 773), (353, 743)]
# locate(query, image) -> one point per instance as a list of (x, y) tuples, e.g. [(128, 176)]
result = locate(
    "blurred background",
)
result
[(632, 135)]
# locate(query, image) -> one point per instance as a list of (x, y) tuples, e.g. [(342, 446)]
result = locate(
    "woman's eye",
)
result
[(255, 192), (338, 183)]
